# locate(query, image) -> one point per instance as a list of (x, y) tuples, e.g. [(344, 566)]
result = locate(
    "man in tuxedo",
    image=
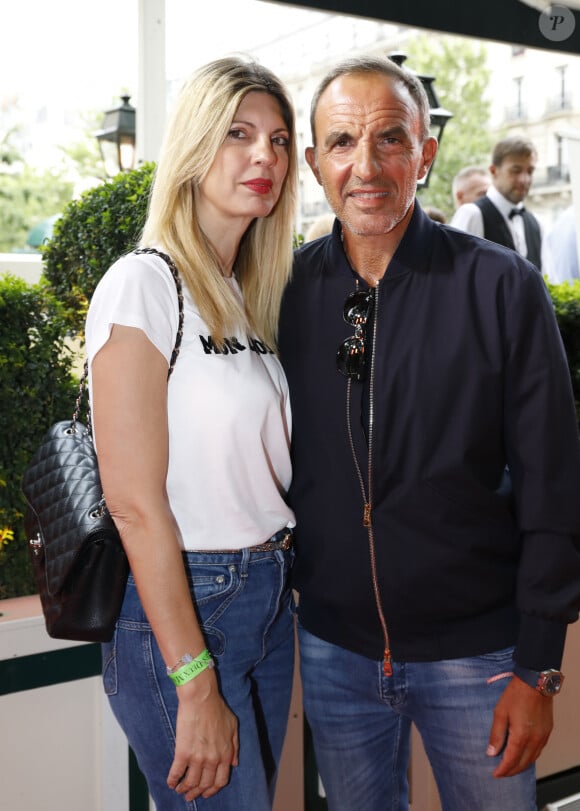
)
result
[(500, 215)]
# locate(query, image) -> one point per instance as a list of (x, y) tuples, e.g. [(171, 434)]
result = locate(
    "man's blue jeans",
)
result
[(361, 719), (245, 607)]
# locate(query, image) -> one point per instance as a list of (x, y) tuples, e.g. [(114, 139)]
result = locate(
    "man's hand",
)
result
[(522, 723)]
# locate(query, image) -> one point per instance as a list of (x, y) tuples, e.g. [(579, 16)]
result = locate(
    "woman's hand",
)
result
[(206, 745)]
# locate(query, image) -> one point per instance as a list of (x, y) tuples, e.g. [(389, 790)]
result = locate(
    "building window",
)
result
[(562, 90), (561, 98), (517, 111)]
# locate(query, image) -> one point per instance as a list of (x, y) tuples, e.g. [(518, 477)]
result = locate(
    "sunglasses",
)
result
[(351, 356)]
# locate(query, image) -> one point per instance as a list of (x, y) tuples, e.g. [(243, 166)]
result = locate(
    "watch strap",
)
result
[(547, 682)]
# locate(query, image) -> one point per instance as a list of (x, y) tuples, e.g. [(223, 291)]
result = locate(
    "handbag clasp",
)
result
[(36, 544)]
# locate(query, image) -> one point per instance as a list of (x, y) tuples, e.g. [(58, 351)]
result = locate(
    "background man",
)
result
[(421, 361), (469, 184), (500, 215)]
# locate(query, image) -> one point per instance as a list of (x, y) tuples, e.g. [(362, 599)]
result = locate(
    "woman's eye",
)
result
[(281, 140), (236, 133)]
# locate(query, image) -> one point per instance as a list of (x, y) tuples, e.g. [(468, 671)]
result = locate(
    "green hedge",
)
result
[(37, 327), (38, 388), (94, 231), (566, 300)]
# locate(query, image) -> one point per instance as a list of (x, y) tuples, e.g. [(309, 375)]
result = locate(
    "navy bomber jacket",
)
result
[(470, 377)]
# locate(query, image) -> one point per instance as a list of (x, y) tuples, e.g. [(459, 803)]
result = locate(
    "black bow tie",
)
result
[(515, 211)]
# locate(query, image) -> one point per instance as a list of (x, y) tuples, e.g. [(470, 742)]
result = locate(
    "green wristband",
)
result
[(192, 668)]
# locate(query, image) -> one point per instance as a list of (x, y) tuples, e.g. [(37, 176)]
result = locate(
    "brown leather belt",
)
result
[(280, 540)]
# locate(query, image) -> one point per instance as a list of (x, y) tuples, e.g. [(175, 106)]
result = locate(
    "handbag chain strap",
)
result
[(84, 377)]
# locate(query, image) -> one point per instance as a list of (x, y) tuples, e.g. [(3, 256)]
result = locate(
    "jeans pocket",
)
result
[(214, 588), (498, 665), (109, 656)]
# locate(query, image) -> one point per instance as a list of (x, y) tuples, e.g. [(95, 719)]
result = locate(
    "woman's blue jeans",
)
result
[(245, 607), (361, 719)]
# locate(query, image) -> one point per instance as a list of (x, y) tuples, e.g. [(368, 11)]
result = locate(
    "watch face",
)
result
[(550, 683)]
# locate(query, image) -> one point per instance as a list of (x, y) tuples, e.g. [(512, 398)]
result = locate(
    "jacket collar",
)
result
[(411, 255)]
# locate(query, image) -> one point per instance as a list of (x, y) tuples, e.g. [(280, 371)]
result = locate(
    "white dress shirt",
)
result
[(469, 217)]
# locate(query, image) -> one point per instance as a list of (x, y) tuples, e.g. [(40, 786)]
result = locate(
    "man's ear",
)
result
[(310, 154), (429, 152)]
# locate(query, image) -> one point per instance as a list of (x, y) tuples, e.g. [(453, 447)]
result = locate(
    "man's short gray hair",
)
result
[(377, 65)]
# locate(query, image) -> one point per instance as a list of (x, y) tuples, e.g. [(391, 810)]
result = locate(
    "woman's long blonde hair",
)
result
[(197, 128)]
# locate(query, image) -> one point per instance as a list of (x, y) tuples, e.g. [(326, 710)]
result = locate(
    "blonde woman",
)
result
[(195, 469)]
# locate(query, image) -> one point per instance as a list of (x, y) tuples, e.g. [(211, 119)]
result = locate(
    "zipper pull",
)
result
[(367, 515), (387, 667)]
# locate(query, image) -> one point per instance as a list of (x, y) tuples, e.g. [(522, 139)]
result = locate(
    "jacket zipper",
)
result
[(368, 498)]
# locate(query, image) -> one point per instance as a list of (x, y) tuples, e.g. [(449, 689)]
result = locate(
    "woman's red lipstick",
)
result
[(261, 185)]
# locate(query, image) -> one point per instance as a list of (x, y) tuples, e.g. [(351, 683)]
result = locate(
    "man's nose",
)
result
[(366, 163)]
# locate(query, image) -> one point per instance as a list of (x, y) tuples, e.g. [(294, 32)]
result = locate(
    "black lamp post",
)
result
[(439, 115), (117, 138)]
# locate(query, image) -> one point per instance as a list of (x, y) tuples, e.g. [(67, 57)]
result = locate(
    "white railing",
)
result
[(26, 265), (60, 740)]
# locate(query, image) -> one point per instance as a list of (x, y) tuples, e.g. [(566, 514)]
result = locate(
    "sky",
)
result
[(66, 58), (84, 49)]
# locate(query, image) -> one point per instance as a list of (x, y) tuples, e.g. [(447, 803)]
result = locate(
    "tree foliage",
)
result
[(461, 79), (26, 198), (9, 153), (29, 196), (83, 156)]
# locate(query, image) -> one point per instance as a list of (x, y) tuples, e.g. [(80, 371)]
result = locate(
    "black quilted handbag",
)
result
[(79, 563)]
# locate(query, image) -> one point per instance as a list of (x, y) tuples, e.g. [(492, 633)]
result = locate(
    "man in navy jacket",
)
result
[(436, 474)]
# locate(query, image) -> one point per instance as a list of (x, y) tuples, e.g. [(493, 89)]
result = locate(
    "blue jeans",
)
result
[(361, 722), (245, 608)]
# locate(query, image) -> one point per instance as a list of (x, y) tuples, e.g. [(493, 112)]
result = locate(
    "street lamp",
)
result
[(439, 115), (117, 138)]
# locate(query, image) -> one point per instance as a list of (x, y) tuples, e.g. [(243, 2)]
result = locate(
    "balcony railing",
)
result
[(516, 112), (551, 176), (561, 102)]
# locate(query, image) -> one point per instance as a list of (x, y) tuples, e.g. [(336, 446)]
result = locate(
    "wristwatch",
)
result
[(546, 682)]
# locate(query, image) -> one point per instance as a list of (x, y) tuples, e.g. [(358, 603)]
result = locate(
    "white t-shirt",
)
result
[(228, 412)]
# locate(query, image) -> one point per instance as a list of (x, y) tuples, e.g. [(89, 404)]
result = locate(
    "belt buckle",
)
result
[(288, 540)]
